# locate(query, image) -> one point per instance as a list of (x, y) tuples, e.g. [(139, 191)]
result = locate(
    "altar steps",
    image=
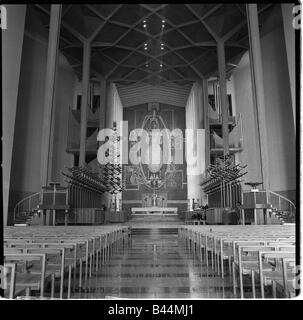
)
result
[(153, 232), (156, 221)]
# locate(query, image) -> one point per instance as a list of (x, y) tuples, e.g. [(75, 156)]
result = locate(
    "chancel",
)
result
[(149, 151)]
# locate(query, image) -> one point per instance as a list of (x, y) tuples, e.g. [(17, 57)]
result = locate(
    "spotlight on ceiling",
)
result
[(162, 46), (163, 24), (161, 65)]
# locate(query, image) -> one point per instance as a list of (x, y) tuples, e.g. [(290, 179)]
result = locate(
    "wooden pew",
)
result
[(10, 279), (29, 280), (282, 276), (226, 243), (74, 246)]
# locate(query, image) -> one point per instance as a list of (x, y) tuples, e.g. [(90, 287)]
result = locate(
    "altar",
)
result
[(155, 210)]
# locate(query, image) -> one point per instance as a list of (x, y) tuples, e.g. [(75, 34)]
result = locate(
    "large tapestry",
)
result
[(159, 174)]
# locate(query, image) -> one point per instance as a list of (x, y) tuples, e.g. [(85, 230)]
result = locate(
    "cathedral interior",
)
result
[(149, 151)]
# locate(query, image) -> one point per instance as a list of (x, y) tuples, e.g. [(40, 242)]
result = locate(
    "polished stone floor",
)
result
[(154, 265)]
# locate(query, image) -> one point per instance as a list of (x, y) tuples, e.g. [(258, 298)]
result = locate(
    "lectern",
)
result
[(54, 198), (255, 204)]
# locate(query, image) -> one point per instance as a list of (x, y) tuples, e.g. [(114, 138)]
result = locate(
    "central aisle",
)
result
[(154, 265)]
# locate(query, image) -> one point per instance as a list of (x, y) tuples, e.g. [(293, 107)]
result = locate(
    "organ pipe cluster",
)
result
[(113, 169), (85, 188), (222, 173)]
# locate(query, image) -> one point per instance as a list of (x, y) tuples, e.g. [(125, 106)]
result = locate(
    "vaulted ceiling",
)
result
[(153, 43)]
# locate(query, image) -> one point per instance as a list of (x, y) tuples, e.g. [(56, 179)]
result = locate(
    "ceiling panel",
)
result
[(134, 14), (105, 9), (133, 38), (177, 14), (110, 33), (175, 39), (197, 32), (178, 36)]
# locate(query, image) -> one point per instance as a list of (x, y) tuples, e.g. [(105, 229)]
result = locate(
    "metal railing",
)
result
[(27, 204), (276, 201), (47, 197), (282, 204)]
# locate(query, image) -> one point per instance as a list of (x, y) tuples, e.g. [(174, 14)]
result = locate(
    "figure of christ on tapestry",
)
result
[(131, 177)]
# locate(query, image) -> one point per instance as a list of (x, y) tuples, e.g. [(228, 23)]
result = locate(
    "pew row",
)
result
[(258, 258), (37, 257)]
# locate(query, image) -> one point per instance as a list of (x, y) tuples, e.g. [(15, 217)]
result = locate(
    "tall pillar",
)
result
[(51, 67), (258, 87), (12, 42), (194, 149), (223, 95), (206, 121), (102, 124), (102, 103), (84, 101), (289, 35)]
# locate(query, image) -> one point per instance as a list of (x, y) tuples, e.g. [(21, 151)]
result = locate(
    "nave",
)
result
[(155, 265)]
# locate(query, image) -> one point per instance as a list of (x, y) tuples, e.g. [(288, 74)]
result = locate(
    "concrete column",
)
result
[(102, 103), (102, 124), (206, 121), (84, 101), (258, 87), (195, 155), (51, 68), (12, 41), (289, 35), (113, 113), (223, 95)]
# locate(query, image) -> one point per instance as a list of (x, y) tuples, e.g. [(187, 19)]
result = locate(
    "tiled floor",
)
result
[(154, 265)]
